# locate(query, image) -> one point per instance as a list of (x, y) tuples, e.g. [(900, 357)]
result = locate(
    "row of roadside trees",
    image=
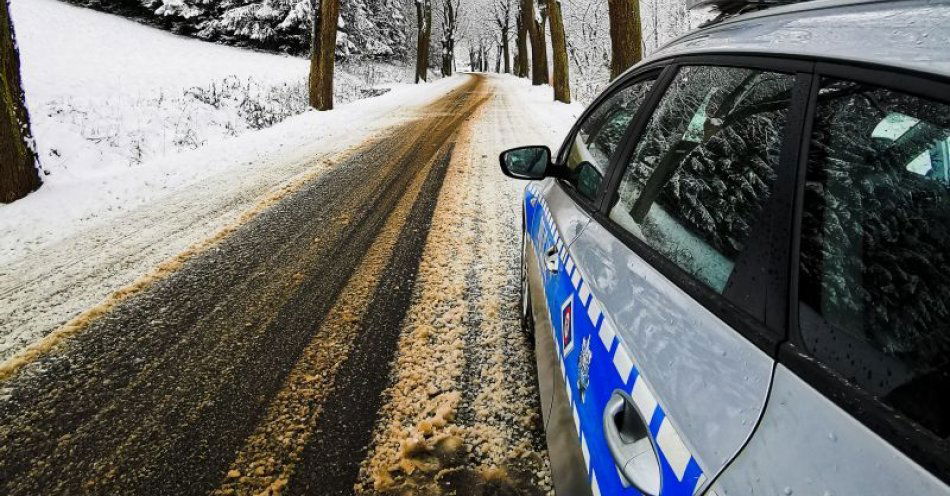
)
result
[(542, 48), (529, 22), (532, 20)]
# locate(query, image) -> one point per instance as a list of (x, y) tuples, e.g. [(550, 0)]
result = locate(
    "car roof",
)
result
[(908, 34)]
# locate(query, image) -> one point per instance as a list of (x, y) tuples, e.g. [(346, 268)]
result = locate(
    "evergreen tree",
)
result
[(373, 29)]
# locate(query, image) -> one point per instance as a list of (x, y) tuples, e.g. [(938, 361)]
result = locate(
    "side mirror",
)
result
[(529, 162)]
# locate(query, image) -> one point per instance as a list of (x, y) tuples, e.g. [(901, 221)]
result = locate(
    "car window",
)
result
[(704, 167), (875, 249), (599, 136)]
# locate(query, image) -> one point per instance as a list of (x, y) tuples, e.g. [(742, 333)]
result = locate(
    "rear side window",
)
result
[(875, 249), (599, 136), (702, 171)]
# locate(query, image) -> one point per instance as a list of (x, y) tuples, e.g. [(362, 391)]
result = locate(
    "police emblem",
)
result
[(583, 367), (567, 325)]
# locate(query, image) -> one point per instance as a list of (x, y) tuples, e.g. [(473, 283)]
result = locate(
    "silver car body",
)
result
[(723, 416)]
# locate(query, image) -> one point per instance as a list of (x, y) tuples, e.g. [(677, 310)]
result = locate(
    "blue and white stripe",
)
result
[(674, 454)]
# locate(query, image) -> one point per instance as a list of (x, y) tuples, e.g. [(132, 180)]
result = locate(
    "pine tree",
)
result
[(375, 29), (18, 174), (625, 36)]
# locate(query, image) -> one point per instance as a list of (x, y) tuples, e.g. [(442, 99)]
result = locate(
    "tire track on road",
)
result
[(330, 464), (158, 395), (462, 415)]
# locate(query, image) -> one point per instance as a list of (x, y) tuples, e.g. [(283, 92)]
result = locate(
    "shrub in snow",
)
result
[(125, 129)]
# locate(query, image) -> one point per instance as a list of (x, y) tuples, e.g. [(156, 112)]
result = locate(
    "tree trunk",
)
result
[(323, 54), (448, 38), (18, 174), (625, 35), (542, 33), (521, 58), (562, 82), (503, 51), (498, 55), (539, 53), (424, 30)]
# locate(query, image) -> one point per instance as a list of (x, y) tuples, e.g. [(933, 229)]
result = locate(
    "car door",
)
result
[(671, 371), (859, 400), (556, 212)]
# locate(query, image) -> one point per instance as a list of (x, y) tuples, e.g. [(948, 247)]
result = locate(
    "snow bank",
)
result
[(545, 121)]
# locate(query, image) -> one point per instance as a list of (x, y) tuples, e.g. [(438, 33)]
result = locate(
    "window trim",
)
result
[(654, 71), (768, 329), (920, 445)]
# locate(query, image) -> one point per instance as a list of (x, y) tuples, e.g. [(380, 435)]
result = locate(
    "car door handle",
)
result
[(628, 438), (550, 260)]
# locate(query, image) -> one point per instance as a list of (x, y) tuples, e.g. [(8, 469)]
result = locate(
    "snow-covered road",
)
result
[(99, 88), (346, 316), (45, 283)]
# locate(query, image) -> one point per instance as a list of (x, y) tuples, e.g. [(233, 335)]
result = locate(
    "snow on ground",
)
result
[(114, 104), (99, 222), (462, 411), (60, 263)]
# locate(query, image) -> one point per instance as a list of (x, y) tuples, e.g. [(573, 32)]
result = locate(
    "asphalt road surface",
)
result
[(185, 386)]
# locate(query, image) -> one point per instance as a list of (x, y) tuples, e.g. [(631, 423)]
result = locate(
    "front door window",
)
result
[(600, 135)]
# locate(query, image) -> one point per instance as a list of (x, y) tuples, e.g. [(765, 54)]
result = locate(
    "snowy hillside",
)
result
[(115, 103), (106, 92)]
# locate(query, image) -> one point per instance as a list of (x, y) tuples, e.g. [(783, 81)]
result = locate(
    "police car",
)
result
[(737, 267)]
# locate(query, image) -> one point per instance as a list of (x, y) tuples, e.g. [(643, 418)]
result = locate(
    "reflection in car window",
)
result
[(875, 250), (599, 136), (704, 167)]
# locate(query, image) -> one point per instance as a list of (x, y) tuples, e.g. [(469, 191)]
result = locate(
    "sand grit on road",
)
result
[(462, 414), (358, 334)]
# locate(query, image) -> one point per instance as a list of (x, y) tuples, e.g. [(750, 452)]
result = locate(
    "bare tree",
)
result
[(424, 32), (322, 56), (521, 56), (539, 54), (18, 174), (588, 47), (625, 35), (472, 58), (450, 12), (498, 54), (502, 13), (562, 82)]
